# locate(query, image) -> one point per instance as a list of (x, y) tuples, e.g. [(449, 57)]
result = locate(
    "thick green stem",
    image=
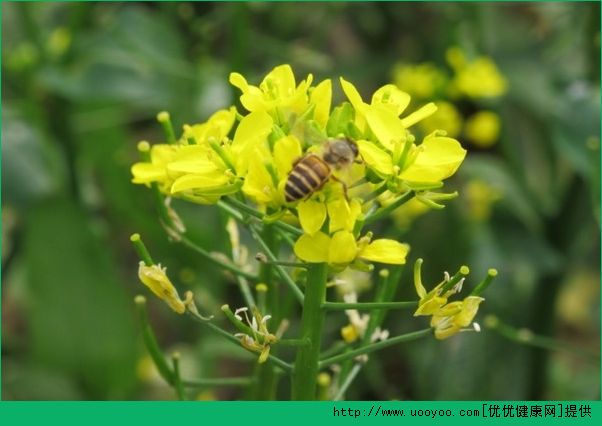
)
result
[(306, 364)]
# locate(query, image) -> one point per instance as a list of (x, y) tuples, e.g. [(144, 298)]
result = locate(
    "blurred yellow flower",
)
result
[(477, 78), (480, 197), (446, 117), (422, 81), (483, 129)]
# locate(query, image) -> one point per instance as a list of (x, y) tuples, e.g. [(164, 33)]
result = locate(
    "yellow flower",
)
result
[(342, 249), (480, 198), (195, 171), (342, 214), (155, 278), (446, 117), (278, 93), (435, 159), (268, 171), (216, 128), (478, 78), (455, 316), (483, 129), (260, 338), (430, 302), (421, 81), (382, 115)]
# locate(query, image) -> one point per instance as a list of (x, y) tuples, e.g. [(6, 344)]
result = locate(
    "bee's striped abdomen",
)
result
[(307, 176)]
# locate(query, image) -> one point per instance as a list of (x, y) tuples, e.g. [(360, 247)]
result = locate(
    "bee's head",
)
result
[(340, 152)]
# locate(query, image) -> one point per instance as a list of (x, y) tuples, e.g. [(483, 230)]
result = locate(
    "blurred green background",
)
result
[(81, 85)]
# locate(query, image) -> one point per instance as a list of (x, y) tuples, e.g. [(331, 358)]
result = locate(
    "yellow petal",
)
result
[(200, 166), (155, 278), (343, 248), (430, 306), (470, 306), (312, 248), (254, 100), (377, 158), (147, 173), (442, 333), (385, 125), (312, 215), (438, 158), (353, 95), (200, 182), (251, 133), (286, 151), (321, 97), (220, 123), (391, 96), (422, 113), (258, 183), (237, 80), (385, 251), (342, 214), (282, 79)]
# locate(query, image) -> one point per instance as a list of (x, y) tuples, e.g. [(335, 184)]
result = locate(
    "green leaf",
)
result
[(79, 312)]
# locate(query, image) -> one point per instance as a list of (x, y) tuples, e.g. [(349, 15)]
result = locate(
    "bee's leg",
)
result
[(344, 185)]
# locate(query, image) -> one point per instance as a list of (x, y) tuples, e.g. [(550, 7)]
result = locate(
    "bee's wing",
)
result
[(310, 133)]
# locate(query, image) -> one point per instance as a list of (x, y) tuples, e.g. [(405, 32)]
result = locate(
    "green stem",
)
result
[(223, 381), (527, 337), (141, 250), (306, 363), (293, 342), (348, 380), (150, 342), (375, 347), (283, 274), (175, 359), (257, 214), (491, 274), (242, 327), (226, 265), (385, 211), (165, 120), (335, 306)]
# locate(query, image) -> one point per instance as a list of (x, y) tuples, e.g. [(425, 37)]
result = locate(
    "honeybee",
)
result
[(311, 171)]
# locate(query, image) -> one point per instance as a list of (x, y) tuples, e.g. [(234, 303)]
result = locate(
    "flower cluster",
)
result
[(252, 154), (472, 80)]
